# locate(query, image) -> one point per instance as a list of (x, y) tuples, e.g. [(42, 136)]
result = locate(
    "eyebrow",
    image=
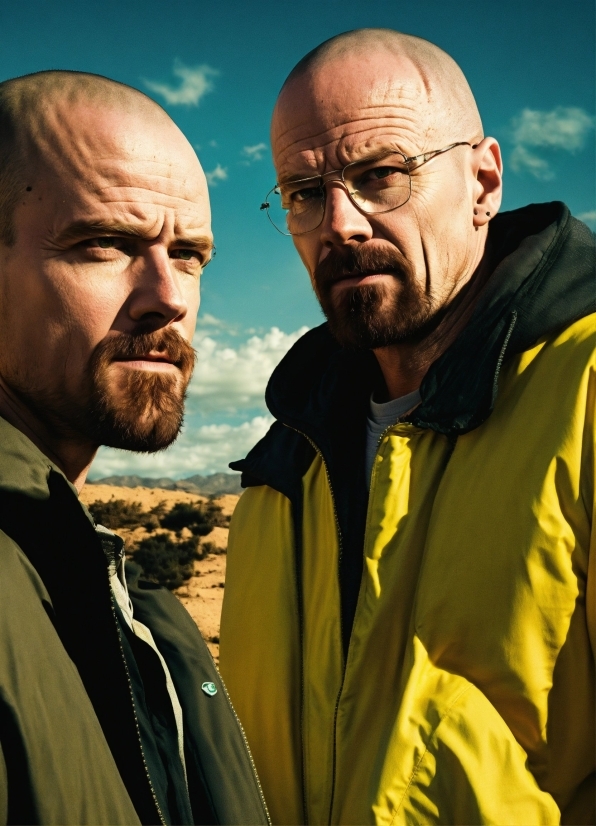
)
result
[(372, 156), (80, 230)]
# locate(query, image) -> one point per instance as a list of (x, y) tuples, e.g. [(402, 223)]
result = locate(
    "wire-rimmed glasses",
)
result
[(375, 185)]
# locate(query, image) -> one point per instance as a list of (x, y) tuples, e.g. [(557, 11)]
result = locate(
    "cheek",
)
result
[(192, 296), (309, 251)]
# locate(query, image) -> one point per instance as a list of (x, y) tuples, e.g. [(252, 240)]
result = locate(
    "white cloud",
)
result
[(564, 128), (207, 449), (254, 153), (588, 218), (208, 320), (220, 173), (229, 379), (522, 160), (195, 82)]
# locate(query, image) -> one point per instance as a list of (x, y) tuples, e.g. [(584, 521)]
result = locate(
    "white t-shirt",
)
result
[(381, 417)]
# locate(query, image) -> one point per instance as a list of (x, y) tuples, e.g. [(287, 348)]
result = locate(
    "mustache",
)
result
[(138, 344), (360, 260)]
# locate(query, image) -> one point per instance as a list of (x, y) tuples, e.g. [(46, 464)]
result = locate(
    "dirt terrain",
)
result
[(202, 595)]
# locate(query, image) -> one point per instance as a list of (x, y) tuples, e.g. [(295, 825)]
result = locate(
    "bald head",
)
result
[(385, 182), (376, 67), (33, 109)]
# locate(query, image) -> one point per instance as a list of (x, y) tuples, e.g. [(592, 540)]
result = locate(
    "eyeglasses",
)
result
[(374, 185)]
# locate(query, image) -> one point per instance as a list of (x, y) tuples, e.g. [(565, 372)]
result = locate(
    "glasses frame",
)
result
[(426, 156), (212, 254)]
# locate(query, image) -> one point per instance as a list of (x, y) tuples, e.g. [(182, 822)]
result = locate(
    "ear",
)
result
[(488, 184)]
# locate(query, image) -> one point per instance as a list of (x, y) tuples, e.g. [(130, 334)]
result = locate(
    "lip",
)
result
[(148, 361), (349, 280)]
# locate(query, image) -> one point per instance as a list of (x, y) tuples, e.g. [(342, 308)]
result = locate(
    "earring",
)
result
[(475, 212)]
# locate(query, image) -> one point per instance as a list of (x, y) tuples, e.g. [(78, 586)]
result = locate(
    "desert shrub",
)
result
[(166, 561), (116, 513), (211, 548), (151, 522), (199, 518)]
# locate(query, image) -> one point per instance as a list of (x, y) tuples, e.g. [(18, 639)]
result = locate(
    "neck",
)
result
[(405, 364), (73, 456)]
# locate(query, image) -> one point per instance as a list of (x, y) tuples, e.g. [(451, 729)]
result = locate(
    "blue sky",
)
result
[(217, 68)]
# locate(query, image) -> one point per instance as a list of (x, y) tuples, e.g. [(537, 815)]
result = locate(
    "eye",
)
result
[(381, 173), (310, 193), (106, 242), (185, 255)]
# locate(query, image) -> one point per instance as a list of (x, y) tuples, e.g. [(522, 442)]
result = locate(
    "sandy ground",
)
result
[(202, 596)]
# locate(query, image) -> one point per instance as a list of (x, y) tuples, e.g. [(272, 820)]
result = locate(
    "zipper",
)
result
[(341, 688), (131, 694), (340, 546), (252, 762), (336, 709)]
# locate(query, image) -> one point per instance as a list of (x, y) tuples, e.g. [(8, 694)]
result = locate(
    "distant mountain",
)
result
[(213, 485)]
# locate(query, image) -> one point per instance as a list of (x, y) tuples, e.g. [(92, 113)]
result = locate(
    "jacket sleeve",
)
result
[(591, 582), (3, 790)]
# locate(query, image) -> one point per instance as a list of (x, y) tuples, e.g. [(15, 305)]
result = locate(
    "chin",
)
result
[(371, 317), (144, 415)]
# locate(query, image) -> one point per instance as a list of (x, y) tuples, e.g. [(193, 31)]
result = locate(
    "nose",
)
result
[(158, 295), (342, 220)]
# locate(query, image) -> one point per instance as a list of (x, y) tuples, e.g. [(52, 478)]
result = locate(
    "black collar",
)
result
[(543, 282)]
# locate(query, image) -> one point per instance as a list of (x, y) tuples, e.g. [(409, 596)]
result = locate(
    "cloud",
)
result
[(522, 160), (564, 128), (230, 379), (195, 82), (254, 153), (206, 449), (220, 173), (588, 218), (208, 320), (227, 380)]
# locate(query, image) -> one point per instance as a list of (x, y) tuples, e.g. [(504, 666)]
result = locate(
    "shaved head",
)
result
[(105, 228), (446, 102), (385, 181), (31, 106)]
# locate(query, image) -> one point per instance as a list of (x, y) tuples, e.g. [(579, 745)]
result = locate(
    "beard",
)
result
[(372, 315), (139, 410), (147, 411)]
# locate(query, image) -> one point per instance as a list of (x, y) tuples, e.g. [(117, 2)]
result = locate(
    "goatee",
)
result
[(145, 411), (372, 315)]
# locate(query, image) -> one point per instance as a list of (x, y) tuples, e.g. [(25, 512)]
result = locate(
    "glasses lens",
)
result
[(380, 185), (294, 209)]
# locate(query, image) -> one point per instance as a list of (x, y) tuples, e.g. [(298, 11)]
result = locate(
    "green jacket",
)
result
[(422, 652), (70, 748)]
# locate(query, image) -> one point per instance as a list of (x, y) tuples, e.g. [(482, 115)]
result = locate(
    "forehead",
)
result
[(91, 159), (348, 108)]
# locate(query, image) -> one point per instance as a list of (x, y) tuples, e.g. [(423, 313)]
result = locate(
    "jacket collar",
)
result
[(23, 467), (543, 282)]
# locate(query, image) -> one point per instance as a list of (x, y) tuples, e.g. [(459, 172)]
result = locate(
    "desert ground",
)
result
[(202, 595)]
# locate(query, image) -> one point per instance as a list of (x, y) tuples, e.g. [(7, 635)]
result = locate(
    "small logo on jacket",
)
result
[(210, 689)]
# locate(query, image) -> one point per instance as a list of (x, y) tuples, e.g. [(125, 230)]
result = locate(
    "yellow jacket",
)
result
[(457, 684)]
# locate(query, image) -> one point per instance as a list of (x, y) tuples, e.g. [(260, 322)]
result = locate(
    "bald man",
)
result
[(408, 629), (111, 709)]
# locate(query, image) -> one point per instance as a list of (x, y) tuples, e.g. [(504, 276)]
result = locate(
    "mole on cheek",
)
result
[(29, 188)]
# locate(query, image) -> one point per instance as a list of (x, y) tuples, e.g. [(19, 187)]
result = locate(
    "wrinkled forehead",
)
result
[(102, 146), (332, 115)]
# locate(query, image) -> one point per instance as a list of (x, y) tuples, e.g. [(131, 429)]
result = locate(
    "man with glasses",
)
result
[(408, 629)]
